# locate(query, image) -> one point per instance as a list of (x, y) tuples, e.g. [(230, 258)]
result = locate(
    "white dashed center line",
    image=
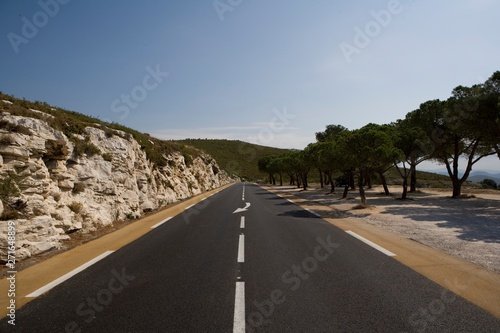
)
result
[(241, 249), (239, 308)]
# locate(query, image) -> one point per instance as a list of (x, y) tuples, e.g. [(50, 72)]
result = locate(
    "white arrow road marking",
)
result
[(239, 210)]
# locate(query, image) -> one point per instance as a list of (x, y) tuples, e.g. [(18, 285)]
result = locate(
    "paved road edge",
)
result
[(36, 276), (472, 282)]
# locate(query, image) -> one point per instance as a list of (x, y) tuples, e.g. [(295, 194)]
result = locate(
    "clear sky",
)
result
[(268, 72)]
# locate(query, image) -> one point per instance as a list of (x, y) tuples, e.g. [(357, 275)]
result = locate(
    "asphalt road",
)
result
[(269, 267)]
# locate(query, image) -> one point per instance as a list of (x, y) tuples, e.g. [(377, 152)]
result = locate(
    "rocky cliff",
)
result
[(53, 184)]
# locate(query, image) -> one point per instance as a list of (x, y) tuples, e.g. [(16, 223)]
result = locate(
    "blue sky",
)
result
[(268, 72)]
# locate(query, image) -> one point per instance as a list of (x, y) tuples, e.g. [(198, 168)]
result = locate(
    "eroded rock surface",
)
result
[(54, 191)]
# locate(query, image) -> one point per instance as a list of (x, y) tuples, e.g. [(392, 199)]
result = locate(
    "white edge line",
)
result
[(239, 308), (66, 276), (241, 249), (313, 212), (160, 223), (290, 201), (189, 207), (375, 246)]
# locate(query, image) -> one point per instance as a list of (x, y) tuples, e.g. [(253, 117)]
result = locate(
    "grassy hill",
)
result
[(236, 157)]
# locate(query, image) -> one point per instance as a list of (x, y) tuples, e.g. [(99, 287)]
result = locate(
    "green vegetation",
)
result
[(85, 147), (107, 157), (423, 180), (466, 127), (73, 124), (9, 188), (14, 128), (489, 183), (9, 191), (78, 187), (76, 207), (6, 140), (236, 157)]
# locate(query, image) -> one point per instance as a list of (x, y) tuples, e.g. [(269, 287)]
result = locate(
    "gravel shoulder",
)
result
[(467, 228)]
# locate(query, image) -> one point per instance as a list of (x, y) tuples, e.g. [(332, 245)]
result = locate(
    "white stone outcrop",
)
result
[(57, 193)]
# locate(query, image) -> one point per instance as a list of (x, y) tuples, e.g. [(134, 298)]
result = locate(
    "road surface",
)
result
[(247, 260)]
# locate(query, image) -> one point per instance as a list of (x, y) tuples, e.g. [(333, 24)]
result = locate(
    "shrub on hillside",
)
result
[(489, 183)]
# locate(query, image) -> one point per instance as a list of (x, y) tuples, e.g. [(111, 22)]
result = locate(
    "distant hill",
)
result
[(478, 176), (234, 156), (475, 176)]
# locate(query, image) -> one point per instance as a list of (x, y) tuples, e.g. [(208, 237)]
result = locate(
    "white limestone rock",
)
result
[(64, 193)]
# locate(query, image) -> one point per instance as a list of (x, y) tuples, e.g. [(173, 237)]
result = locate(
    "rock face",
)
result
[(54, 191)]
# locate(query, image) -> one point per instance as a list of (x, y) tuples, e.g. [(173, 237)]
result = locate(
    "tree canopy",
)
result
[(457, 132)]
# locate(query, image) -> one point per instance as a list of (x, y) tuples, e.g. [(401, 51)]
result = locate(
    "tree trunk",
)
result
[(281, 179), (321, 178), (369, 180), (384, 183), (405, 188), (457, 188), (413, 177), (332, 183), (304, 181), (350, 177), (346, 190), (361, 190), (404, 174), (454, 176)]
